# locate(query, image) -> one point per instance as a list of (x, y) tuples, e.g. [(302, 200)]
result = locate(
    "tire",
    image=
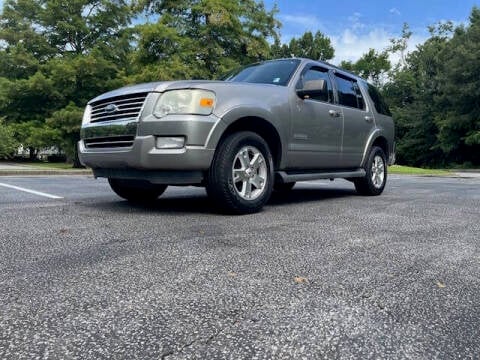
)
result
[(376, 174), (240, 179), (136, 190), (283, 187)]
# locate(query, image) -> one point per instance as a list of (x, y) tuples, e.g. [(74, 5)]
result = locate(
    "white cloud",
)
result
[(395, 11), (355, 37), (355, 21), (351, 44), (306, 21)]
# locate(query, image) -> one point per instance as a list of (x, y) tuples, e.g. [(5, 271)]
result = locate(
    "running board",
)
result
[(285, 177)]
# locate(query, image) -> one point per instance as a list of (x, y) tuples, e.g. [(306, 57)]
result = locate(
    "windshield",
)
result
[(277, 72)]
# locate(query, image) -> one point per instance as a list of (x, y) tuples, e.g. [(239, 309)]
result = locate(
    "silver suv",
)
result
[(261, 128)]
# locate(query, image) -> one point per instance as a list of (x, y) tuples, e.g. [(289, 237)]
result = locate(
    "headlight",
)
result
[(86, 115), (199, 102)]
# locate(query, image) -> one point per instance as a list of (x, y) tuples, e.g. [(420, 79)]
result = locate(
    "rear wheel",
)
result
[(376, 174), (136, 190), (240, 179)]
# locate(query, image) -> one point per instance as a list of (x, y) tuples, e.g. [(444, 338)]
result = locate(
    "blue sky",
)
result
[(356, 26)]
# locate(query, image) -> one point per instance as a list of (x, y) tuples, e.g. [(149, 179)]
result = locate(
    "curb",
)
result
[(452, 175), (45, 172)]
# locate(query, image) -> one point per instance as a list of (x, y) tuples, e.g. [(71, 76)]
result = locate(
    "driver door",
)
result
[(317, 123)]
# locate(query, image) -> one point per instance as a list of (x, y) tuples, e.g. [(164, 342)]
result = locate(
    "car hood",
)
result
[(161, 86)]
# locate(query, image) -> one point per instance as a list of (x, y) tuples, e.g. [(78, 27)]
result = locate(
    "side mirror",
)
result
[(313, 89), (307, 94)]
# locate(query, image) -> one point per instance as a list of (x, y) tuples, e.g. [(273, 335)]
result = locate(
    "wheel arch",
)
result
[(377, 138), (258, 125), (381, 142)]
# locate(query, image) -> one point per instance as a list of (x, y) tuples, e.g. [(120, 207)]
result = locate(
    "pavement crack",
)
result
[(217, 333), (185, 346), (211, 338)]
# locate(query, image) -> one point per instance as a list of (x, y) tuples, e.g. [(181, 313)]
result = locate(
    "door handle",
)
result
[(334, 113), (369, 119)]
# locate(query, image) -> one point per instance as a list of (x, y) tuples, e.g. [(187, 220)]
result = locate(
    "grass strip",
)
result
[(409, 170)]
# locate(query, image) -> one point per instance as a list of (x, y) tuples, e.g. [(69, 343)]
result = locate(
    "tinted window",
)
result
[(317, 78), (276, 72), (348, 92), (378, 102), (360, 101)]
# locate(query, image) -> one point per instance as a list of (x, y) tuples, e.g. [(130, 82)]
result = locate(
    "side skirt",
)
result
[(287, 177)]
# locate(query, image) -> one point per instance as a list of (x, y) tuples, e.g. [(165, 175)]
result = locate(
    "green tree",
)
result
[(412, 94), (17, 63), (372, 66), (54, 53), (458, 100), (29, 99), (400, 45), (66, 123), (52, 27), (35, 136), (8, 144), (208, 37), (21, 26), (316, 47)]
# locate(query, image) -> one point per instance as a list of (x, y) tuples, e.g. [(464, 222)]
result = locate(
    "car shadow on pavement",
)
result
[(182, 204), (297, 196), (200, 204)]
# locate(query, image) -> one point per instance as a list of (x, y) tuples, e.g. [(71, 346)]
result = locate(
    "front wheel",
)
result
[(136, 190), (240, 179), (376, 174)]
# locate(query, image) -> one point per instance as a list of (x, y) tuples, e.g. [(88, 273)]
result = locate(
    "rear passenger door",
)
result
[(358, 120)]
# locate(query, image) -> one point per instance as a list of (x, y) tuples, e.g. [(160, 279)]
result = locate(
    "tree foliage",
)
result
[(204, 38), (317, 47), (458, 118), (54, 53), (8, 144), (435, 96), (372, 66)]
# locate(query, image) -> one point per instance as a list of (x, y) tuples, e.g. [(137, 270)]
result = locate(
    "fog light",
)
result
[(170, 142)]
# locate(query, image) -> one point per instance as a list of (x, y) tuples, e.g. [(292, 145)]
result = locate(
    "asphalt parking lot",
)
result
[(320, 273)]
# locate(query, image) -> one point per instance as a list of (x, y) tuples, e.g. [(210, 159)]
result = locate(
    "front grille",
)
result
[(108, 142), (121, 108)]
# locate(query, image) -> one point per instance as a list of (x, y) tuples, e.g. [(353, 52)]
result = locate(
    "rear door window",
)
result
[(349, 93), (380, 104)]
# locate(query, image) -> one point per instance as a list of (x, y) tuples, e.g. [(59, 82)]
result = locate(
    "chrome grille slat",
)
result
[(118, 114), (136, 105), (110, 144), (106, 142), (119, 103), (127, 107)]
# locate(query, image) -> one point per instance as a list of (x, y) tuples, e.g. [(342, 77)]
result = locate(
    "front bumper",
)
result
[(143, 155), (139, 157)]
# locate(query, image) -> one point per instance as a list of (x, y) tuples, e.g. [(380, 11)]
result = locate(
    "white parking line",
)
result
[(31, 191)]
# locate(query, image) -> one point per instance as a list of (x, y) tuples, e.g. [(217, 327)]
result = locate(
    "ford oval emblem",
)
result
[(111, 108)]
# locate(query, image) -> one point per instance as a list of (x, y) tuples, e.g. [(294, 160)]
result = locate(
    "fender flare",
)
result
[(374, 135), (233, 115)]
